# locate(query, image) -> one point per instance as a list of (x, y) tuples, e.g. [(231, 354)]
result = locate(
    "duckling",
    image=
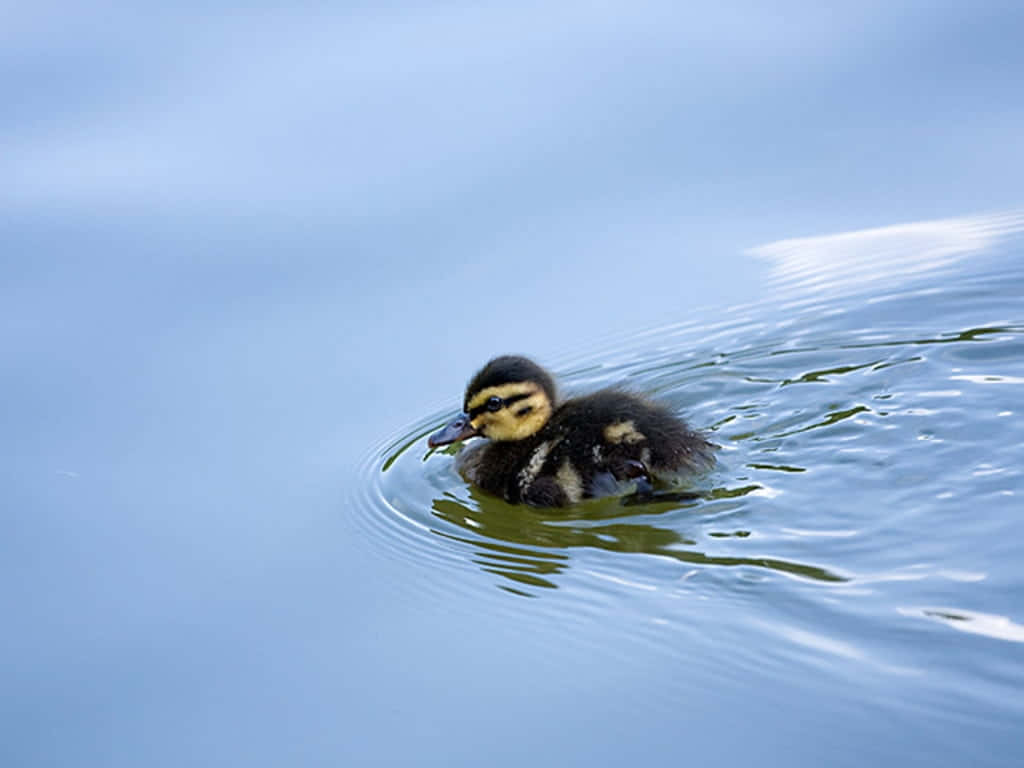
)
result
[(548, 453)]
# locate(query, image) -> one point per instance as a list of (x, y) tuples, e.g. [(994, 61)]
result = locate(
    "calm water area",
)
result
[(851, 574), (249, 259), (215, 557)]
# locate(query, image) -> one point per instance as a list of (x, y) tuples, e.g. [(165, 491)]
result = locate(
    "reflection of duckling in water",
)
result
[(551, 454), (524, 546)]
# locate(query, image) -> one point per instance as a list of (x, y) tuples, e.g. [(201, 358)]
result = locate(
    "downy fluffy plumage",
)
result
[(550, 454)]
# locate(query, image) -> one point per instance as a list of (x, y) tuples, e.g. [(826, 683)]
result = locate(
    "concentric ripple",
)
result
[(831, 425), (863, 523)]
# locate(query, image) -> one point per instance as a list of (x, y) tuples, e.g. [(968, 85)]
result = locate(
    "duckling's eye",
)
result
[(494, 403)]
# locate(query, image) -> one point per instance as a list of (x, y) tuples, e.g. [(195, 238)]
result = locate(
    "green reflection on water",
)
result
[(777, 467), (825, 373), (532, 548), (393, 452), (516, 542), (971, 334), (830, 419)]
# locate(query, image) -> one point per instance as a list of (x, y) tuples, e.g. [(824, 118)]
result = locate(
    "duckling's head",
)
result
[(511, 398)]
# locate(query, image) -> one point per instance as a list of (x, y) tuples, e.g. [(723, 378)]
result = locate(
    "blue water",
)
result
[(855, 552), (247, 257)]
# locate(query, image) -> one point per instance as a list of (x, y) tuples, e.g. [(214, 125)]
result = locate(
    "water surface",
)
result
[(859, 540), (248, 256)]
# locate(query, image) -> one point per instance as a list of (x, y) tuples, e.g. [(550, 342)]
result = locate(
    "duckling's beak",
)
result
[(457, 429)]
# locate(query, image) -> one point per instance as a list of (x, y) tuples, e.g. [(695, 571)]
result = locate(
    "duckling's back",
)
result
[(609, 427)]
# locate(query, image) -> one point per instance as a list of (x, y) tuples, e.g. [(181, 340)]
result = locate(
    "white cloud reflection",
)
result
[(973, 622), (851, 259)]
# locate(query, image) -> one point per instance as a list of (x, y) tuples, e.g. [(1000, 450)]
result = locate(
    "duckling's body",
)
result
[(551, 454)]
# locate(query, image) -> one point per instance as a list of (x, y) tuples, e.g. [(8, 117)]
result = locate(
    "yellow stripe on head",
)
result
[(526, 414), (503, 391)]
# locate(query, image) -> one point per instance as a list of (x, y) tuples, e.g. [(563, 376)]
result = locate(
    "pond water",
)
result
[(249, 257), (218, 550), (856, 549)]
